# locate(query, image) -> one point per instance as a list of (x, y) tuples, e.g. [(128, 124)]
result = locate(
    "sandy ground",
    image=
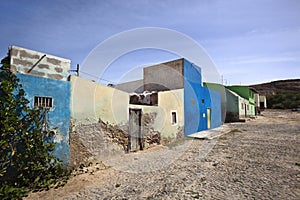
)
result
[(259, 159)]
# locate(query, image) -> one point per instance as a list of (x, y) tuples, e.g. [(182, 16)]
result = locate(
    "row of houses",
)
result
[(170, 102)]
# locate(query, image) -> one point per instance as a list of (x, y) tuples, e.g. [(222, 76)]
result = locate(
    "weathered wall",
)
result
[(158, 119), (34, 63), (59, 115), (165, 76), (99, 119), (151, 123), (97, 141), (92, 101)]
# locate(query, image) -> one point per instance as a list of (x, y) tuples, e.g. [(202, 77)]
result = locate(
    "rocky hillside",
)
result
[(283, 94), (272, 88)]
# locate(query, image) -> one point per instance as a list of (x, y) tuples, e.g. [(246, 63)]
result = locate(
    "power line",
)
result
[(91, 75)]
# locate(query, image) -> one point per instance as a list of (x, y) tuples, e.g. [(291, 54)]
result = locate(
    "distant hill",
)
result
[(283, 94), (290, 85)]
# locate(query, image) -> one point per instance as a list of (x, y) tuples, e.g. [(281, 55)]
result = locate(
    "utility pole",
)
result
[(76, 70)]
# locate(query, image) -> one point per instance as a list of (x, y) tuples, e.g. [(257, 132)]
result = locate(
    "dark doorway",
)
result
[(135, 130)]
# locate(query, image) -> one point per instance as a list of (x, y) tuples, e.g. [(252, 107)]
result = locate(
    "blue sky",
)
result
[(250, 41)]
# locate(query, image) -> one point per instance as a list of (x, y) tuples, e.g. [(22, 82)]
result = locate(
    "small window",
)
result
[(247, 107), (44, 102), (202, 101), (242, 106), (174, 117)]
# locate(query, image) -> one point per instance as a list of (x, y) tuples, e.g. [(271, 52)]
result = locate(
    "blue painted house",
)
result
[(45, 79), (202, 106)]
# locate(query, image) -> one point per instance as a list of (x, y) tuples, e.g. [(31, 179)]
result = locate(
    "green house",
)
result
[(237, 107), (246, 93)]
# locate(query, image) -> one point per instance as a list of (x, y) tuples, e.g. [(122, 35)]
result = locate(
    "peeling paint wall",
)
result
[(34, 63), (59, 115), (100, 116), (97, 111), (151, 123), (98, 141), (46, 76), (158, 119)]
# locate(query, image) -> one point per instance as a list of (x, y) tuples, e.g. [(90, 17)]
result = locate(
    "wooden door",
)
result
[(135, 130)]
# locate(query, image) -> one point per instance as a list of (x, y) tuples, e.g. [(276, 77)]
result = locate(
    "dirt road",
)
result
[(259, 159)]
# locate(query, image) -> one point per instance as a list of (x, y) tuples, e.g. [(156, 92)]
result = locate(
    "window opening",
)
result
[(44, 102)]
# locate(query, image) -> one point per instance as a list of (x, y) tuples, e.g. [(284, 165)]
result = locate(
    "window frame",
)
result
[(43, 102)]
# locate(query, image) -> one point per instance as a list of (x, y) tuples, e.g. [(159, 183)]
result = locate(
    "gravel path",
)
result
[(259, 159)]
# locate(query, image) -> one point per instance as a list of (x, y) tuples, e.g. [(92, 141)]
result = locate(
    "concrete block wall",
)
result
[(35, 63)]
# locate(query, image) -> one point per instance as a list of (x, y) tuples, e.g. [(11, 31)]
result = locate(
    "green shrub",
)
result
[(26, 148), (284, 100)]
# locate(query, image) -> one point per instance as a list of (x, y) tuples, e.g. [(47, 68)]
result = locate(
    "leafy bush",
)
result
[(284, 100), (26, 148)]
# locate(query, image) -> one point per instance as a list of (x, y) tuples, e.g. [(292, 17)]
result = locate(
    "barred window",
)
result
[(45, 102)]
